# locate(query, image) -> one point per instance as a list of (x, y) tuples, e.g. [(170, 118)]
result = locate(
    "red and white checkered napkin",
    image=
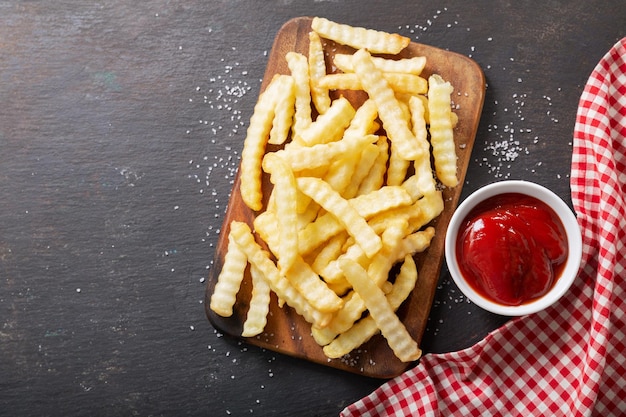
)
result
[(570, 359)]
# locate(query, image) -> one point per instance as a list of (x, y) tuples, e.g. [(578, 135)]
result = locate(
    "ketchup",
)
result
[(512, 248)]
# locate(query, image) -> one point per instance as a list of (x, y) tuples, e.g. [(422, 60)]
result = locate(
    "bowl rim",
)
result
[(567, 217)]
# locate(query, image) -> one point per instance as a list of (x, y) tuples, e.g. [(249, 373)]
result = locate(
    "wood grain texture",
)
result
[(286, 331)]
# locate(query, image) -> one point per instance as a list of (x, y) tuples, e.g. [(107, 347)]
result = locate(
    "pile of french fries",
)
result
[(354, 190)]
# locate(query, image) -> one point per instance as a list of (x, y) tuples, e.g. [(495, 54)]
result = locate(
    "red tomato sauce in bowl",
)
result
[(511, 248)]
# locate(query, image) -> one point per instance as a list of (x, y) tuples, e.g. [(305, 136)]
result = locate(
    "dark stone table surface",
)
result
[(121, 128)]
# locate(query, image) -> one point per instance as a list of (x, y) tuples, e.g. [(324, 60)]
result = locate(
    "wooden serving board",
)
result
[(286, 331)]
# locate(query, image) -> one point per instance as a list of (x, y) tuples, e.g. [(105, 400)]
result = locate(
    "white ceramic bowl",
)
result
[(570, 224)]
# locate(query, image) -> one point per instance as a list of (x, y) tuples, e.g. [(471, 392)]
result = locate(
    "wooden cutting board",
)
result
[(286, 331)]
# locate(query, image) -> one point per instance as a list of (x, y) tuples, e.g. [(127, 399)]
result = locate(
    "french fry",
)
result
[(376, 177), (366, 205), (441, 134), (299, 67), (364, 120), (317, 69), (285, 190), (284, 110), (398, 166), (356, 37), (398, 338), (389, 109), (322, 155), (364, 329), (256, 319), (367, 158), (229, 280), (254, 145), (301, 274), (332, 202), (414, 65), (423, 170), (279, 284), (399, 83), (329, 127)]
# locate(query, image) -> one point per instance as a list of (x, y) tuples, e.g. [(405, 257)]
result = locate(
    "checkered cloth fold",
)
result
[(570, 359)]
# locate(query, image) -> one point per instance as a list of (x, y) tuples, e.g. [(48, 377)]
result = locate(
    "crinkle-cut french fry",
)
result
[(398, 338), (299, 67), (278, 283), (423, 169), (378, 269), (332, 274), (283, 114), (431, 206), (351, 311), (414, 65), (330, 126), (331, 250), (345, 318), (256, 318), (229, 280), (416, 242), (364, 121), (389, 110), (254, 145), (441, 133), (377, 42), (332, 202), (316, 292), (385, 198), (301, 275), (365, 328), (285, 191), (399, 83), (317, 69), (376, 177), (366, 205), (367, 158), (304, 158), (398, 166), (339, 173)]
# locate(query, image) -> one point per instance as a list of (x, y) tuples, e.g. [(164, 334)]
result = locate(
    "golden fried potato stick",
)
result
[(366, 205), (423, 169), (389, 110), (364, 329), (398, 166), (414, 65), (398, 338), (302, 158), (285, 98), (332, 202), (376, 41), (343, 320), (441, 133), (256, 318), (255, 142), (229, 280), (285, 192), (301, 275), (330, 126), (399, 83), (376, 177), (363, 167), (299, 66), (279, 284), (381, 263), (317, 69), (364, 120)]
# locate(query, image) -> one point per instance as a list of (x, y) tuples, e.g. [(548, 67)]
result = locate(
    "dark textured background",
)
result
[(121, 126)]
